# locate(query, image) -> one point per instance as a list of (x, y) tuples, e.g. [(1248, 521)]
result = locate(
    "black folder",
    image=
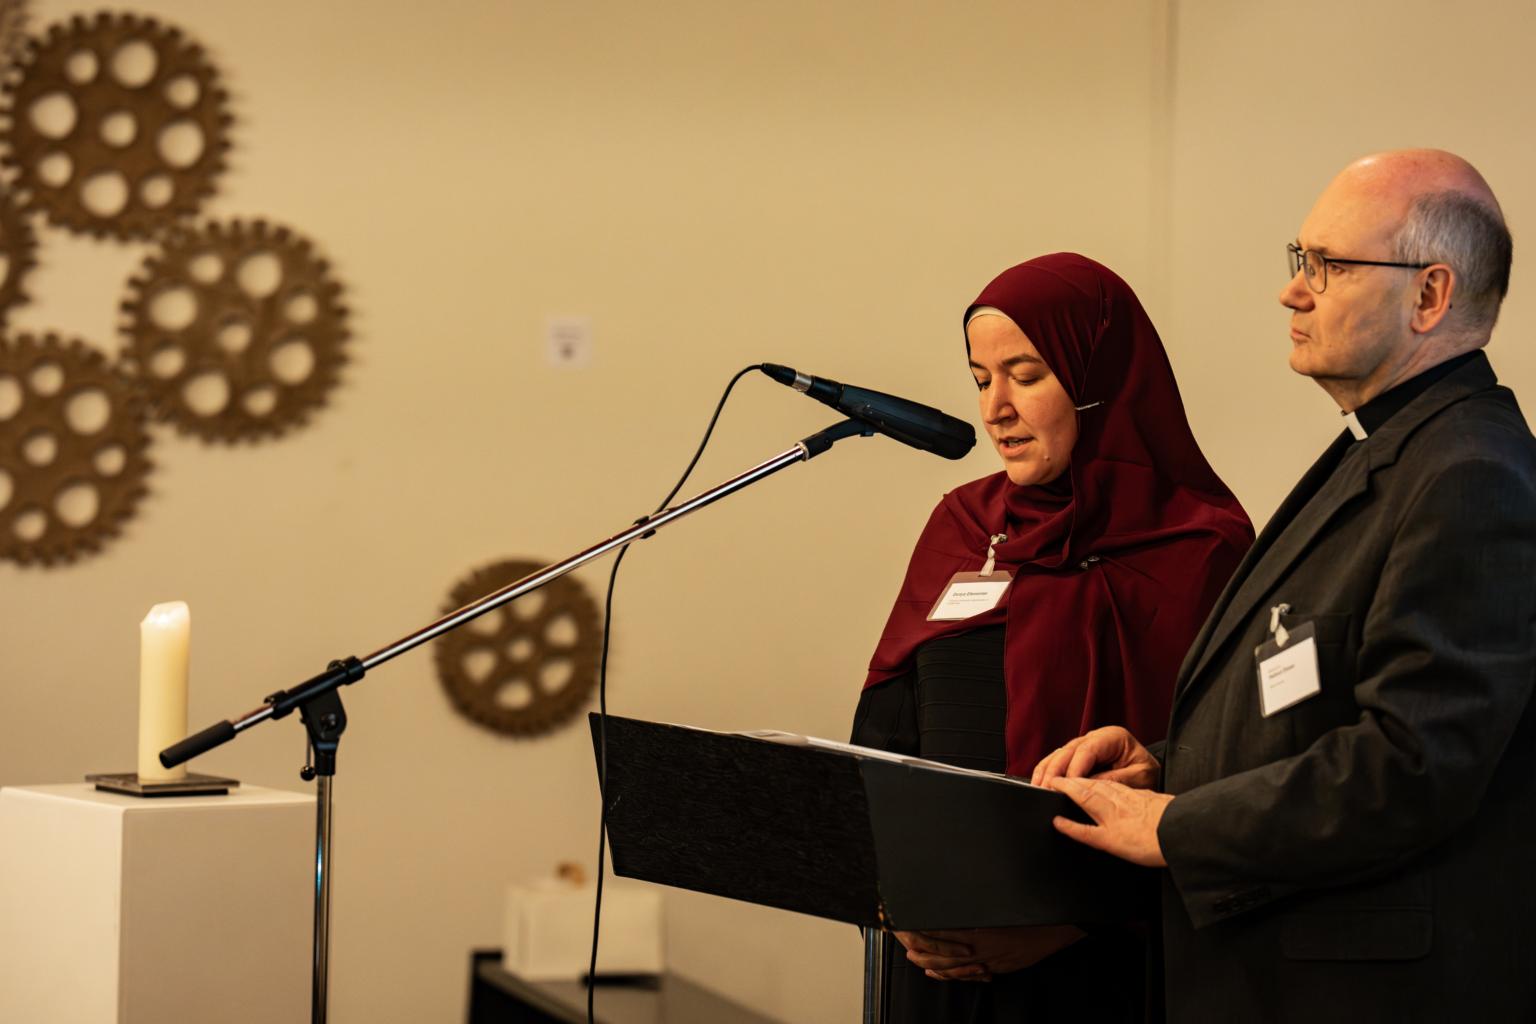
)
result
[(852, 837)]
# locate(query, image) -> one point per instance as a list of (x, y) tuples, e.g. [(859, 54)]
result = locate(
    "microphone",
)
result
[(920, 426)]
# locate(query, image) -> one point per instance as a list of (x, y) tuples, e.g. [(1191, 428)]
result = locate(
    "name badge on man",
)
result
[(970, 593), (1287, 664)]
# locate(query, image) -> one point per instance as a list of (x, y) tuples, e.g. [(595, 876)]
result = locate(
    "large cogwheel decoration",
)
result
[(18, 253), (114, 125), (236, 331), (73, 444), (528, 666)]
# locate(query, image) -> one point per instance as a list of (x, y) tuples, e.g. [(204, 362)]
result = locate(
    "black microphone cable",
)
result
[(602, 691)]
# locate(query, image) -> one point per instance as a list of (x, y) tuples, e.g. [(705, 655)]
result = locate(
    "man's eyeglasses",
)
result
[(1315, 265)]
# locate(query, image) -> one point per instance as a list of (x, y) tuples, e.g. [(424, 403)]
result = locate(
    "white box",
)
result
[(131, 910), (548, 935)]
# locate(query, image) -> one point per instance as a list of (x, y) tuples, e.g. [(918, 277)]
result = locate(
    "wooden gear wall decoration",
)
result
[(528, 666), (13, 31), (73, 445), (18, 253), (235, 331), (114, 125)]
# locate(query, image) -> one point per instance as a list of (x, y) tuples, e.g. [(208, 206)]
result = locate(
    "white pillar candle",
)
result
[(165, 638)]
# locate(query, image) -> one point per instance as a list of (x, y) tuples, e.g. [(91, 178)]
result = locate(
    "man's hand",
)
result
[(976, 954), (1125, 819), (1110, 753)]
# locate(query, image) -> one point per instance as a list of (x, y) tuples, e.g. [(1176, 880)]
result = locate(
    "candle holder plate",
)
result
[(193, 785)]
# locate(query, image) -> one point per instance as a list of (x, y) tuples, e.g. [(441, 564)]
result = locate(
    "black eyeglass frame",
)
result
[(1299, 261)]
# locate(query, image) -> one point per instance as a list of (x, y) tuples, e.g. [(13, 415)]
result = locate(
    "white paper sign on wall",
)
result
[(568, 341)]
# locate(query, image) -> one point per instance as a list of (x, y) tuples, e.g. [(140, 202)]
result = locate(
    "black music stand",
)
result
[(875, 842)]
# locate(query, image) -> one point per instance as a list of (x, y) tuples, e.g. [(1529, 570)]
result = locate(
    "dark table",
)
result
[(498, 997)]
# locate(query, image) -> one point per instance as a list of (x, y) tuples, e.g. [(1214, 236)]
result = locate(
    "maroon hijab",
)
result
[(1117, 562)]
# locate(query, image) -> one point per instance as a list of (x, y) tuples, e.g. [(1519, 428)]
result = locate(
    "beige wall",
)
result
[(714, 184), (823, 185), (1270, 100)]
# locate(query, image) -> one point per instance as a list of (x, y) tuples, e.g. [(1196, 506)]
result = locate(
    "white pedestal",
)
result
[(130, 910)]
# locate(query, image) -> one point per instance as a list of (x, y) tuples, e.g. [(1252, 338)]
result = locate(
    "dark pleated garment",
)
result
[(952, 708)]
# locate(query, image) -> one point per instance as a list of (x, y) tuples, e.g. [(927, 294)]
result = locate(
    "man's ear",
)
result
[(1433, 302)]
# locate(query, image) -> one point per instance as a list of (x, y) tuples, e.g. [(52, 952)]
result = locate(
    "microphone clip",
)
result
[(822, 440)]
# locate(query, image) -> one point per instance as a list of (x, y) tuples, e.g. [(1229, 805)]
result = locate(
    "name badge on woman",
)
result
[(971, 593)]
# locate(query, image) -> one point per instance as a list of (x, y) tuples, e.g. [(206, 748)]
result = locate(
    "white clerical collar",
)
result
[(1353, 423)]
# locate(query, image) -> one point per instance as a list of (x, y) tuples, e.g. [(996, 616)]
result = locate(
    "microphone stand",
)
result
[(319, 703)]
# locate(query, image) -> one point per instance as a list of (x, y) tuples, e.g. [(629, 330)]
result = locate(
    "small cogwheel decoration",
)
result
[(13, 30), (528, 666), (73, 446), (114, 125), (236, 331), (18, 254)]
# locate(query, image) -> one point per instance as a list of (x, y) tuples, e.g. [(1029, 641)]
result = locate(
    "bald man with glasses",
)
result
[(1346, 802)]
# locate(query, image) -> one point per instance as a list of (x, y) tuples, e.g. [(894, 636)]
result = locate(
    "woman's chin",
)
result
[(1022, 474), (1028, 472)]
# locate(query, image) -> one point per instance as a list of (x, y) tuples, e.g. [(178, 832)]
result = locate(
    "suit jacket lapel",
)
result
[(1322, 491), (1331, 483)]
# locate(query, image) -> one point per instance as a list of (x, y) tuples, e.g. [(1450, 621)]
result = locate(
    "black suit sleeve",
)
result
[(1446, 667)]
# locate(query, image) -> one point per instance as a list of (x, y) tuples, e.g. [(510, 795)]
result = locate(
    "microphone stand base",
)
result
[(193, 785)]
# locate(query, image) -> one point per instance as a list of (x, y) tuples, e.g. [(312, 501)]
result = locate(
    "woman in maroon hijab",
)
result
[(1118, 537)]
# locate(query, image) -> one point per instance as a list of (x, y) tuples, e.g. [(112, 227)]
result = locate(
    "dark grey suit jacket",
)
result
[(1369, 854)]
